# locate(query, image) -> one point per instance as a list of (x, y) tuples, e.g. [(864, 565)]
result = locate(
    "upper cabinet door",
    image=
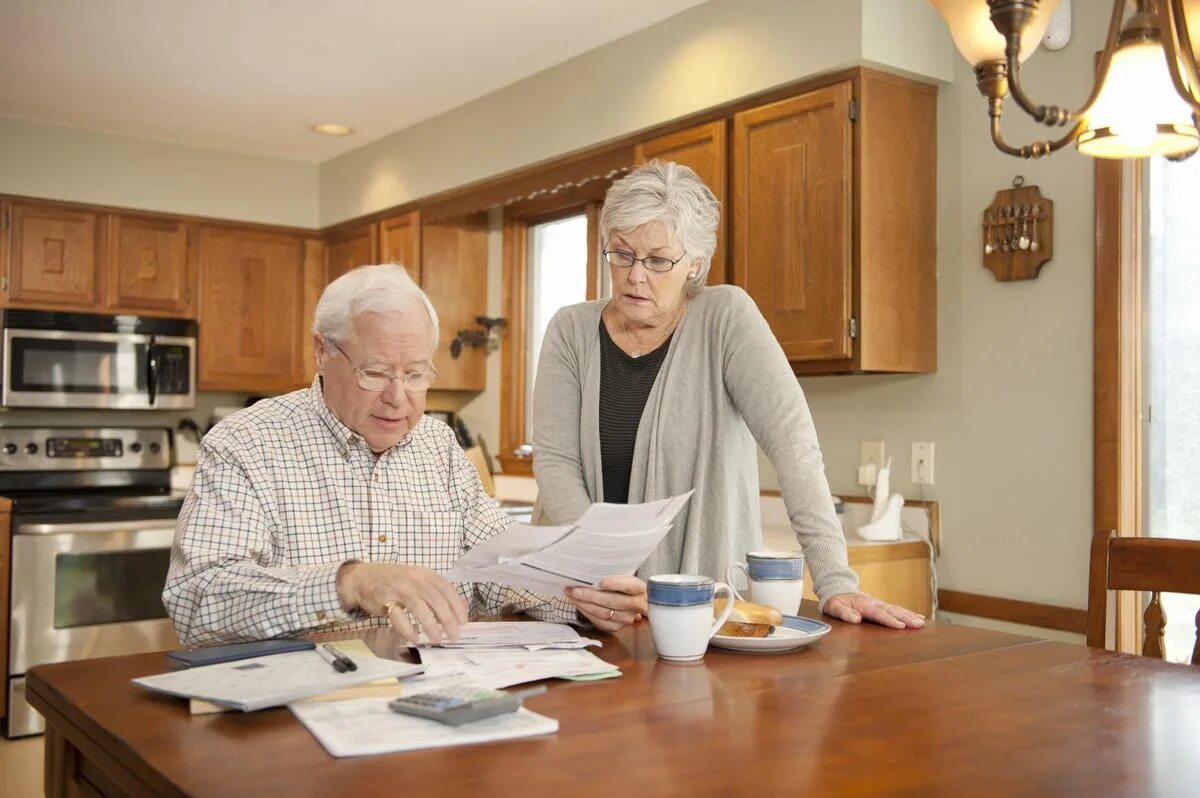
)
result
[(793, 217), (454, 275), (701, 148), (400, 242), (251, 300), (349, 249), (55, 256), (150, 271)]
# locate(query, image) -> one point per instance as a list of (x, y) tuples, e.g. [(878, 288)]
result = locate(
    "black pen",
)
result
[(340, 662)]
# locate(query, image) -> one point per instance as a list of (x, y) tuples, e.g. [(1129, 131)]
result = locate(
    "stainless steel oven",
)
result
[(93, 522), (84, 360)]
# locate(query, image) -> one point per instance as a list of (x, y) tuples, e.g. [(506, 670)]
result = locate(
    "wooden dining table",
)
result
[(947, 710)]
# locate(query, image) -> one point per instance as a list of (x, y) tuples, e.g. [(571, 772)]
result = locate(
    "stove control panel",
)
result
[(79, 449)]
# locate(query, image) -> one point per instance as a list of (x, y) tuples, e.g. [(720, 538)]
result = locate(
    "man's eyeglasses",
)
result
[(653, 263), (375, 381)]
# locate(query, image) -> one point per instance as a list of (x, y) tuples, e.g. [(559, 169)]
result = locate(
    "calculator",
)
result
[(455, 706)]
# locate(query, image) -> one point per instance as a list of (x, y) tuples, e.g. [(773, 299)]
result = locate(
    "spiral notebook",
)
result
[(271, 681)]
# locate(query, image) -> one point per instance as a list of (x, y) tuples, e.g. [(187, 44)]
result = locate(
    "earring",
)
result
[(691, 275)]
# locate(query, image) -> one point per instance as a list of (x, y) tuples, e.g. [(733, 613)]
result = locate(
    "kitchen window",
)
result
[(550, 261)]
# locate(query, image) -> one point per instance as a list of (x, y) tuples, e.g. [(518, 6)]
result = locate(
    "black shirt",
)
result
[(625, 384)]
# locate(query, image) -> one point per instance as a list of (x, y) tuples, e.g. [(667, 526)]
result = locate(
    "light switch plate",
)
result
[(870, 453)]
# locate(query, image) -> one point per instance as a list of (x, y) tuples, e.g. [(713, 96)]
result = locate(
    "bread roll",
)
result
[(747, 619)]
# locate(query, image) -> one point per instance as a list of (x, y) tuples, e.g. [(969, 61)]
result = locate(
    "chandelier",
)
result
[(1146, 99)]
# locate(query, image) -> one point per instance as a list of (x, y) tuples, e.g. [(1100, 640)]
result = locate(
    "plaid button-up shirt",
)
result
[(284, 494)]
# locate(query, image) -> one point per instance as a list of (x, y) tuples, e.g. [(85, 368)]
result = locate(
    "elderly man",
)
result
[(341, 503)]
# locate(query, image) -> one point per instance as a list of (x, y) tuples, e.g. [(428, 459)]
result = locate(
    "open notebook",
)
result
[(271, 681)]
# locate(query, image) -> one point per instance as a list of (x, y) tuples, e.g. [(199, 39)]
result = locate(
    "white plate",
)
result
[(794, 634)]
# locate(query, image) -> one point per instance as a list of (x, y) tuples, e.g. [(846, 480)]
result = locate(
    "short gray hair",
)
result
[(385, 288), (663, 191)]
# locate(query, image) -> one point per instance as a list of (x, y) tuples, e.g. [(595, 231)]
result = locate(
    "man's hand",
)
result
[(857, 607), (386, 590), (620, 601)]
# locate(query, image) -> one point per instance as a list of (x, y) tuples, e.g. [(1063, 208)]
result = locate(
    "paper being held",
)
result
[(607, 540)]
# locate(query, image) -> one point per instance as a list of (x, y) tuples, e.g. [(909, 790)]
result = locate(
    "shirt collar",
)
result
[(345, 438)]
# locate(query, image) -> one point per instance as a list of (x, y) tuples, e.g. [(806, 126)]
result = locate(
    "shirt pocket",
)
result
[(429, 538)]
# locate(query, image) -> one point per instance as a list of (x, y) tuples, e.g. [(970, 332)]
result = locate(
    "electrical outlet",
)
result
[(870, 453), (922, 463)]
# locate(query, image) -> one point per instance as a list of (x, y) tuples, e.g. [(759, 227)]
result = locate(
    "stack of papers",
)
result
[(504, 667), (529, 635), (502, 654), (271, 681), (364, 726), (607, 540)]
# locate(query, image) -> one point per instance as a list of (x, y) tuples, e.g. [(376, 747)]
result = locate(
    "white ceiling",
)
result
[(252, 75)]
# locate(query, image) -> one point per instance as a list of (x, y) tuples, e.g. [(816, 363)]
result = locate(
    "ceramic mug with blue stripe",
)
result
[(681, 614), (776, 578)]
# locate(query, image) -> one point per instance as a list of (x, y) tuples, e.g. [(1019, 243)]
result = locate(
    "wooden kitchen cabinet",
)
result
[(149, 268), (350, 248), (703, 149), (834, 223), (252, 300), (454, 275), (54, 256), (71, 258), (400, 242)]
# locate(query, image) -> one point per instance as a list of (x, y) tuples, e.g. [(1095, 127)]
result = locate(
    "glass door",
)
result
[(1172, 376)]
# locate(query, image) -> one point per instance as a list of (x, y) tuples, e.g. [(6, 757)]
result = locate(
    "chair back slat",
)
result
[(1157, 565), (1164, 564), (1156, 627)]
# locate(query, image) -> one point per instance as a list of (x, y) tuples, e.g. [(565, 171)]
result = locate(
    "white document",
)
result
[(607, 540), (271, 681), (504, 667), (525, 634), (364, 726)]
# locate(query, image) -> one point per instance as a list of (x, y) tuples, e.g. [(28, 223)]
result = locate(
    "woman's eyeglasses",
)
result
[(653, 263)]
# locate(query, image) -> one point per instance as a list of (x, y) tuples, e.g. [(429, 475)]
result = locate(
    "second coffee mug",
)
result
[(776, 578)]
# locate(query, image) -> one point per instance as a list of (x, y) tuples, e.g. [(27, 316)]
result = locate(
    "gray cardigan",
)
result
[(725, 383)]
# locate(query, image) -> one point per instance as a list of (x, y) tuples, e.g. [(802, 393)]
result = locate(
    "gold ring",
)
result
[(388, 608), (611, 613)]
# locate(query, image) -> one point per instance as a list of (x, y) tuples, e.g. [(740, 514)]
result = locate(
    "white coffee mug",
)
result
[(681, 614), (776, 578)]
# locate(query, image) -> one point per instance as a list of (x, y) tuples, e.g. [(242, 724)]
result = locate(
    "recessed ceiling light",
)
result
[(332, 130)]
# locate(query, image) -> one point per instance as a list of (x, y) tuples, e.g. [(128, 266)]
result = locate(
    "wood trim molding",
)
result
[(512, 345), (1044, 616), (1117, 371)]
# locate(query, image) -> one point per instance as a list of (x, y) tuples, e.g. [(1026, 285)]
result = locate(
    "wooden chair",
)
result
[(1158, 565), (479, 459)]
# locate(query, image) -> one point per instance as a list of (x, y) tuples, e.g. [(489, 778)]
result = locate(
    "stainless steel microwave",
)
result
[(84, 360)]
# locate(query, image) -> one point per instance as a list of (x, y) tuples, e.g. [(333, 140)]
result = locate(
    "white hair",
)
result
[(663, 191), (385, 288)]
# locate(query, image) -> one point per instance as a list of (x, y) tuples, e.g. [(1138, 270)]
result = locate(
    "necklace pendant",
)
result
[(635, 354)]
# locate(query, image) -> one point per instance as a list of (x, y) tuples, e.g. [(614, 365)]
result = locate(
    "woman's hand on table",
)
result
[(859, 607), (618, 602)]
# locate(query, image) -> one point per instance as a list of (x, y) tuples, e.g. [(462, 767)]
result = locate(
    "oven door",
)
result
[(83, 590), (128, 371)]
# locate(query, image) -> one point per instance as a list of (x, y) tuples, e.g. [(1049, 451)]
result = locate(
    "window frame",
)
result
[(1119, 347), (518, 218)]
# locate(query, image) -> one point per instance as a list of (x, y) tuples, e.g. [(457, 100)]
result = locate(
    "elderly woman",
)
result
[(666, 387)]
